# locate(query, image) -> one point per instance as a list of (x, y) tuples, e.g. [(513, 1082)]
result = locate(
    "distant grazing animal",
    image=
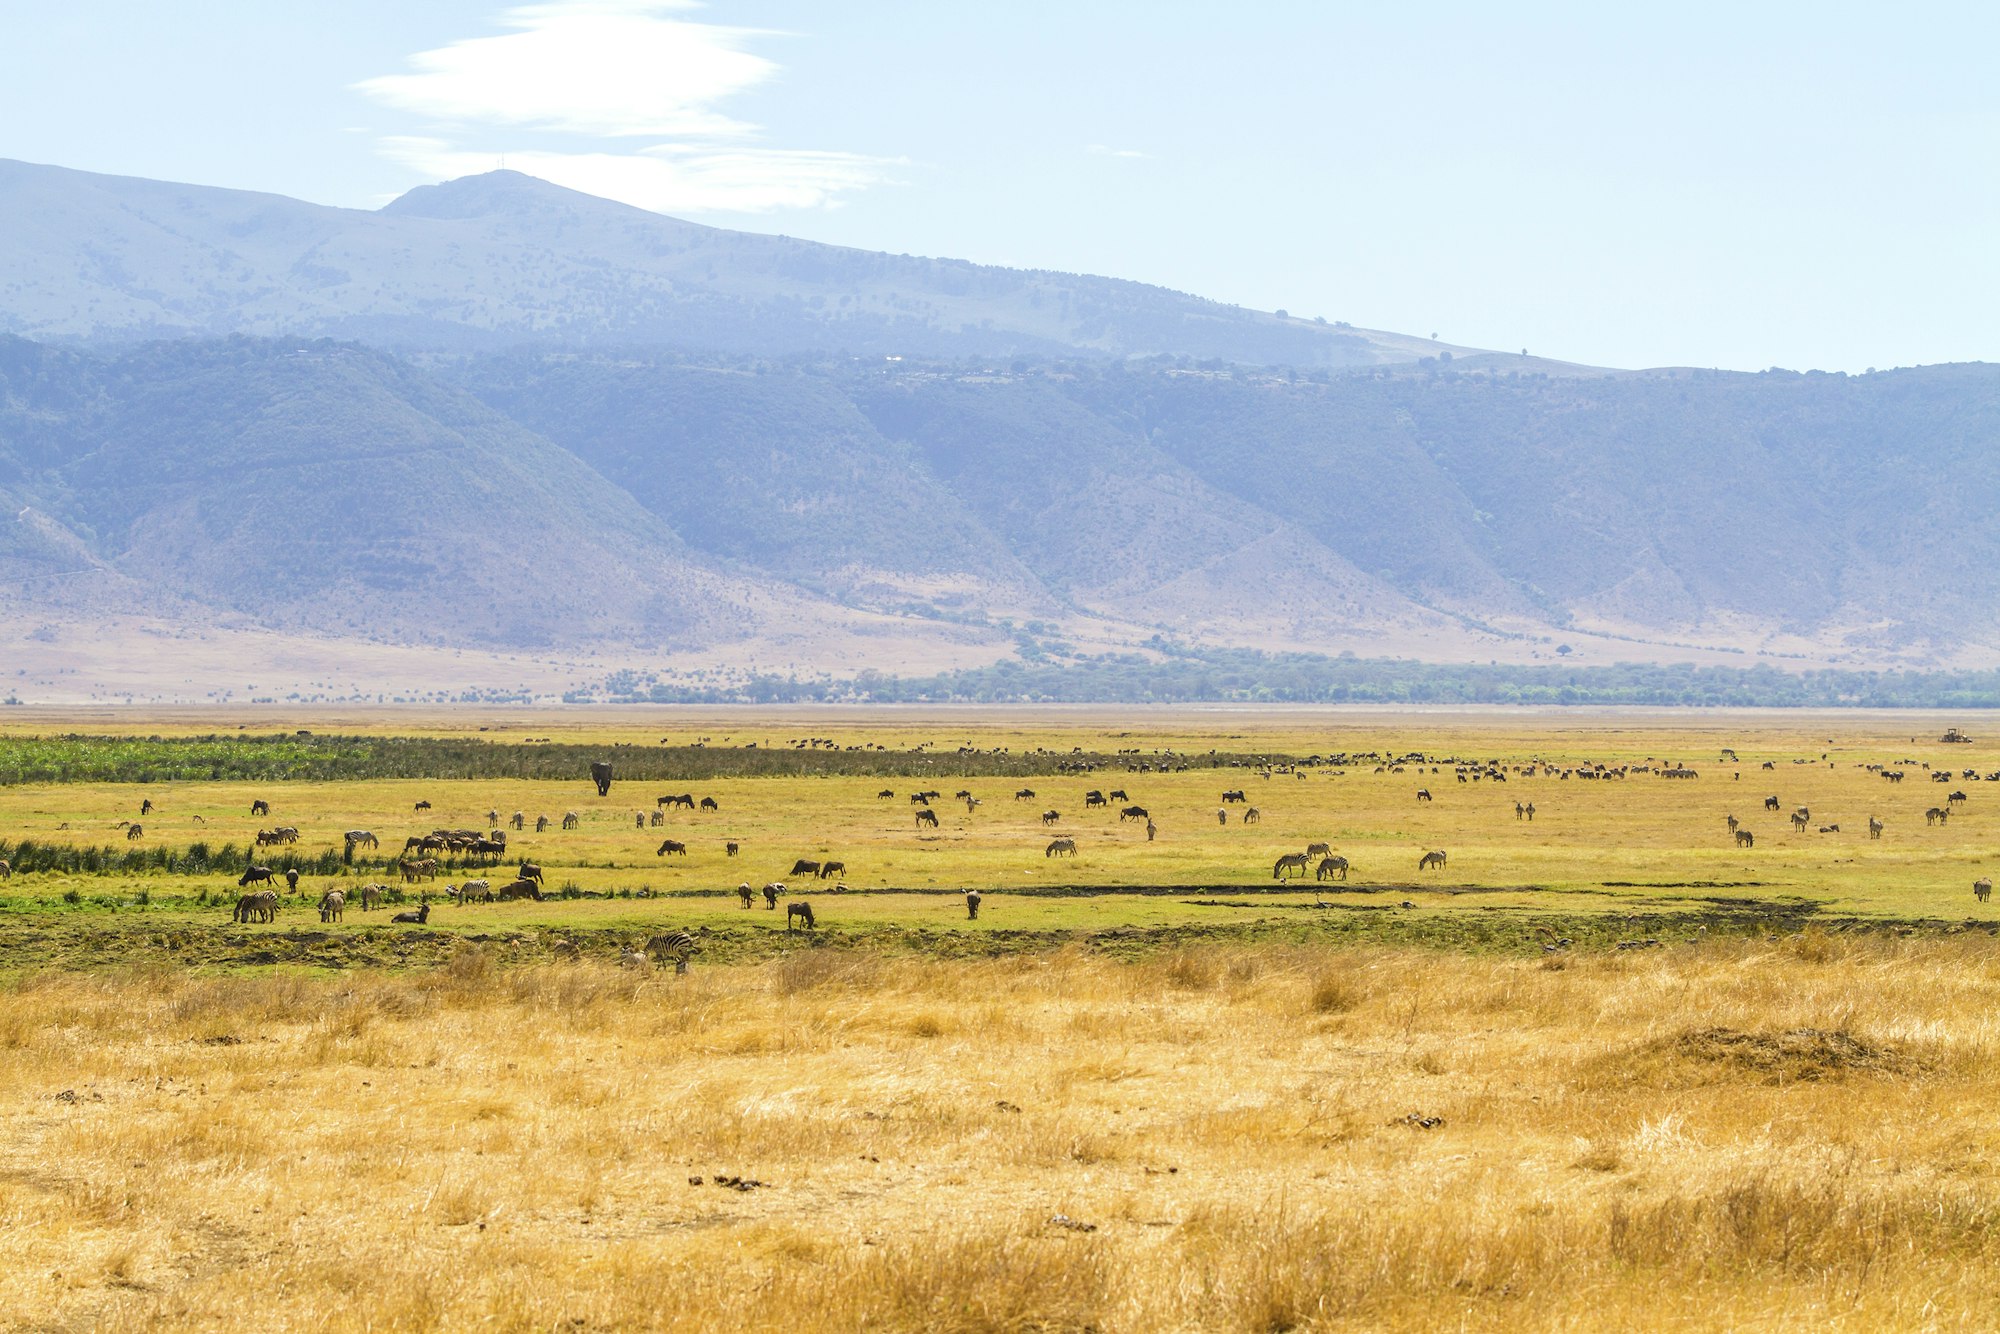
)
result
[(730, 848), (799, 912), (771, 892), (1094, 798), (1875, 827), (1025, 794), (919, 799), (255, 875), (518, 889), (260, 807), (885, 794), (1935, 815), (1061, 847), (1252, 816), (658, 818), (541, 824), (358, 837), (1234, 794), (571, 820), (1423, 794), (134, 831), (710, 804), (331, 905), (1745, 839), (1982, 889), (1221, 816), (675, 945), (1291, 861), (600, 774), (972, 897), (1431, 861), (517, 819), (1955, 799), (1050, 817), (1118, 794), (677, 848), (1771, 803), (530, 871), (418, 918), (1133, 813), (678, 799), (639, 818), (6, 871), (422, 806), (1331, 868), (476, 891), (371, 896), (146, 806), (831, 869), (292, 878), (1319, 850), (259, 907), (743, 892), (804, 867), (927, 817)]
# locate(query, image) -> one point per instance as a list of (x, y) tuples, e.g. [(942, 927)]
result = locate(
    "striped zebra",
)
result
[(675, 945)]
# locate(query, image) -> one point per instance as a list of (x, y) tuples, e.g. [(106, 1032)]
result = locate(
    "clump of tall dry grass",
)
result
[(1245, 1138)]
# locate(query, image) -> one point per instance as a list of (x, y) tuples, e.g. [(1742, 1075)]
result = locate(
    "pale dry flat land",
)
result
[(1148, 1089)]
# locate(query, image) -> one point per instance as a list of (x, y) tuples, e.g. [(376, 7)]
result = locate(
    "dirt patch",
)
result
[(1697, 1056)]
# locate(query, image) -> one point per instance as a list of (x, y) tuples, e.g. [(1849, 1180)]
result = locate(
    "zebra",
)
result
[(1431, 861), (675, 945), (1291, 861)]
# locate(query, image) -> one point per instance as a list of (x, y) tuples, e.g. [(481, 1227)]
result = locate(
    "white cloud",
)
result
[(1102, 150), (668, 178), (601, 70)]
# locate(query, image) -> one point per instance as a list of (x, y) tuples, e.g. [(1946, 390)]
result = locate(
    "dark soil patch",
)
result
[(1698, 1056)]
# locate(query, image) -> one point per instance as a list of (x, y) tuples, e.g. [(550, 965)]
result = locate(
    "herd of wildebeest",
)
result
[(424, 855)]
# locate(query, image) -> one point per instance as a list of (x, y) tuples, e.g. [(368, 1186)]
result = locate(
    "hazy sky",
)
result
[(1744, 185)]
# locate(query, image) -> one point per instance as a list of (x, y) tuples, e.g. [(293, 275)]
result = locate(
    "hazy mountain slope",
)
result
[(502, 258), (334, 489)]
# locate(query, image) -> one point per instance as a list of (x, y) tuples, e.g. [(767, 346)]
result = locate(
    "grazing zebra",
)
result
[(1745, 839), (1331, 868), (799, 912), (331, 904), (1291, 861), (1061, 847), (358, 837), (1252, 816), (517, 819), (541, 824), (259, 907), (570, 820), (1874, 827), (743, 892), (675, 945), (1319, 850), (656, 819), (1432, 861), (1982, 889), (972, 897)]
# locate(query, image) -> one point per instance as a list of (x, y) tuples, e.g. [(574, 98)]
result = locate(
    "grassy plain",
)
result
[(1148, 1089)]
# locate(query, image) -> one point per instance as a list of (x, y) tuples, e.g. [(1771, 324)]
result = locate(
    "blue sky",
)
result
[(1739, 186)]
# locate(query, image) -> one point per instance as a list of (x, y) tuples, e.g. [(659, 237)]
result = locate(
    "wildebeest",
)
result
[(799, 912), (418, 918), (1094, 798), (530, 871), (1745, 839), (1955, 799), (1771, 803), (571, 819), (260, 807), (292, 879), (1331, 867), (730, 848), (146, 806), (1025, 794), (831, 869), (1290, 862), (919, 799), (1982, 889), (134, 831), (675, 945), (710, 804), (521, 888), (1423, 794), (927, 817), (1062, 847), (972, 897), (677, 799), (6, 871), (804, 867), (1050, 817), (1134, 813), (600, 774), (331, 904), (1432, 861), (743, 892), (670, 845), (255, 875), (422, 806), (885, 794), (1234, 794), (771, 892), (1118, 794), (259, 907)]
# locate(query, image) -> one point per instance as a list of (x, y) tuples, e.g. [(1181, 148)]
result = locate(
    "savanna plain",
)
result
[(1606, 1067)]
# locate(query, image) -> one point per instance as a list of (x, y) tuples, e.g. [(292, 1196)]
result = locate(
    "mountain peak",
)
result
[(495, 193)]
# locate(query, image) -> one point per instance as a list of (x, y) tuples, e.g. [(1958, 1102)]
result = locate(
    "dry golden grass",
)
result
[(1731, 1134)]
